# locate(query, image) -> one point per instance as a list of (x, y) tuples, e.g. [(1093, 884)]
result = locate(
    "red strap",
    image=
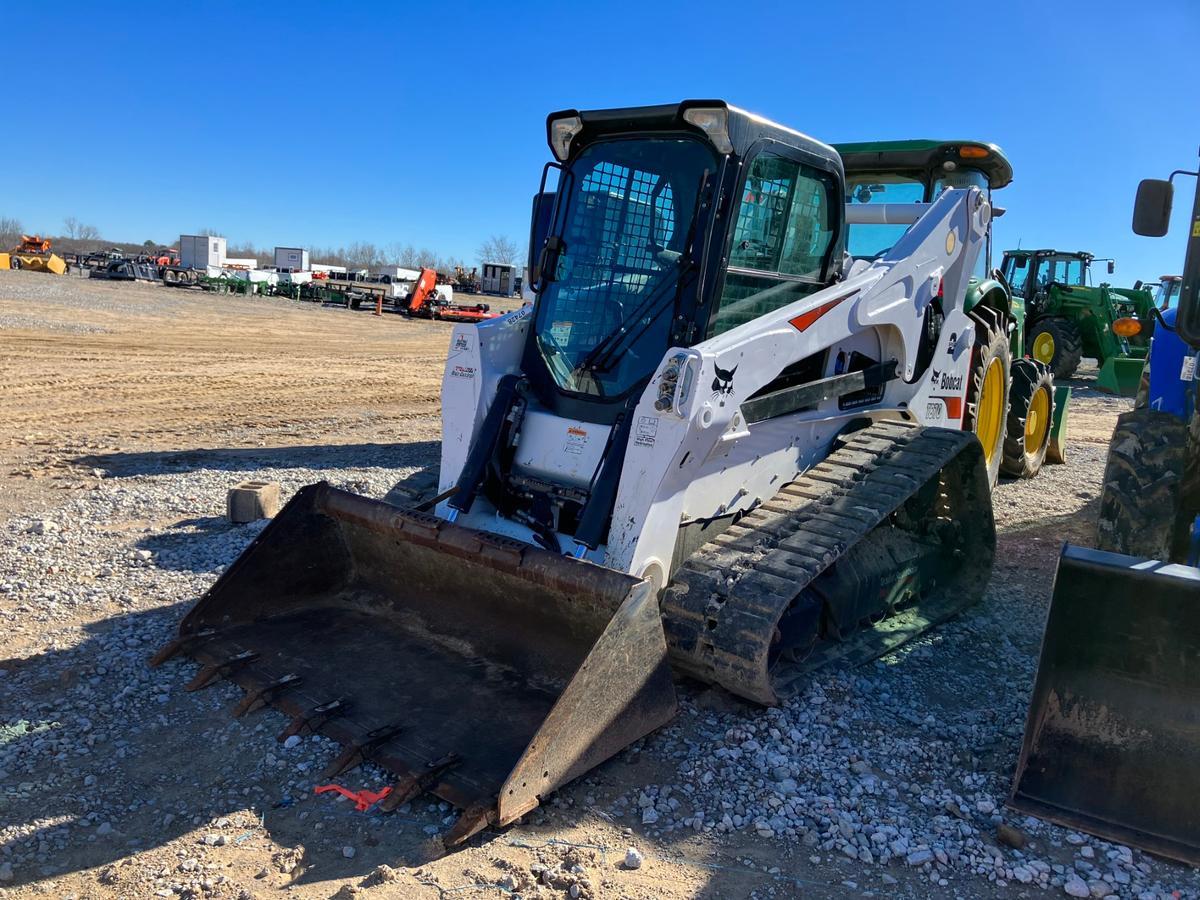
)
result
[(363, 800)]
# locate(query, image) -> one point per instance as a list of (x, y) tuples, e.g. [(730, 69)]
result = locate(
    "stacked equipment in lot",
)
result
[(1069, 319), (1112, 740), (1012, 404)]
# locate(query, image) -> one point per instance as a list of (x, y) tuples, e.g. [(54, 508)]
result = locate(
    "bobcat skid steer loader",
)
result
[(715, 444)]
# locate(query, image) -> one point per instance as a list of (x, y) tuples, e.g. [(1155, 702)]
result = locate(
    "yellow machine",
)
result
[(33, 253)]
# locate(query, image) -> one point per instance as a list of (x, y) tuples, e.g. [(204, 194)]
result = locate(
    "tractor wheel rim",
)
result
[(1037, 421), (991, 409), (1043, 347)]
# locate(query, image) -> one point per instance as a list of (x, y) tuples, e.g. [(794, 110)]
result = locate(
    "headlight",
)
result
[(562, 132), (675, 384), (1126, 327), (713, 121)]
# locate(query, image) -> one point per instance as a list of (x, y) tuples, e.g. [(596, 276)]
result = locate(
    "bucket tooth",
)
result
[(413, 786), (359, 751), (261, 696), (210, 673), (472, 821), (178, 645), (308, 722)]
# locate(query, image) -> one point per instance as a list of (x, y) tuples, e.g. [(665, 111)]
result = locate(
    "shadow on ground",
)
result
[(150, 760), (237, 459)]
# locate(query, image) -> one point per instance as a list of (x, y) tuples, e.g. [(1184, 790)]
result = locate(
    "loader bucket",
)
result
[(1120, 375), (1112, 742), (480, 668), (1056, 450)]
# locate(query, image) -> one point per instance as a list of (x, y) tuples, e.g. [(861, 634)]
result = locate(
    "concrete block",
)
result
[(252, 500)]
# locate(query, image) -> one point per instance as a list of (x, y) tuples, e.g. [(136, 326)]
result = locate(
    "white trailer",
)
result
[(499, 278), (397, 273), (199, 251), (291, 259)]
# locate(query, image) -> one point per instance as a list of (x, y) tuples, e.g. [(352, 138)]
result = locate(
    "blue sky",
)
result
[(322, 124)]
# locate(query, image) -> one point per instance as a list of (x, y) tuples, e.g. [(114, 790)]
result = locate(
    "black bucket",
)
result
[(1112, 743), (480, 668)]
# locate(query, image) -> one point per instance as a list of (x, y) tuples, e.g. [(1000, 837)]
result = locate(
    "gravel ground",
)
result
[(883, 780)]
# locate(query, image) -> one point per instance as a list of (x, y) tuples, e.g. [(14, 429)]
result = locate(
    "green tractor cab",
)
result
[(1068, 318), (1012, 405)]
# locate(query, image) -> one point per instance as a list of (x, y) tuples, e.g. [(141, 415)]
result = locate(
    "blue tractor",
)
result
[(1112, 742)]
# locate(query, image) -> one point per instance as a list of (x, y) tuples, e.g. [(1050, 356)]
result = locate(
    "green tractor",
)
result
[(1068, 318), (1011, 403)]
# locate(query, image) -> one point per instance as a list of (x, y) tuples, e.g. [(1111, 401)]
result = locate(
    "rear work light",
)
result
[(713, 121), (562, 132)]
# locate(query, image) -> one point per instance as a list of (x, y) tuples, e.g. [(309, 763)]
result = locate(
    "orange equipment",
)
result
[(424, 303), (33, 244)]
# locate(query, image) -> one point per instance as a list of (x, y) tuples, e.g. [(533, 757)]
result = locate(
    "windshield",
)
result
[(603, 324), (872, 241)]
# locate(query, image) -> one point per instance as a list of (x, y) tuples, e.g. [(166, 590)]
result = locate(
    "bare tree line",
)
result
[(80, 237)]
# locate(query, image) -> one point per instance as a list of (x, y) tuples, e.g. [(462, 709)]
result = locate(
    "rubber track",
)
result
[(721, 611)]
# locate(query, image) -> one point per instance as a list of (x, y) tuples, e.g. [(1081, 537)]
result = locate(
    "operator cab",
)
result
[(1166, 292), (915, 171), (635, 256), (1029, 273)]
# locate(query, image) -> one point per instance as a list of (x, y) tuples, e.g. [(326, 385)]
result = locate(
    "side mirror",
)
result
[(1112, 267), (539, 227), (1152, 208), (1137, 285)]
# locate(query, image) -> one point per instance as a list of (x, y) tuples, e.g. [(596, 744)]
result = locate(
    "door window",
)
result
[(1017, 274), (781, 241)]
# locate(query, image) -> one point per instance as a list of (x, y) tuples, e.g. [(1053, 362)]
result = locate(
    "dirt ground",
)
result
[(102, 371)]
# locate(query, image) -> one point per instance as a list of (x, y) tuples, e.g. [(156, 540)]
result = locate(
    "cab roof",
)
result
[(1082, 254), (925, 156), (745, 129)]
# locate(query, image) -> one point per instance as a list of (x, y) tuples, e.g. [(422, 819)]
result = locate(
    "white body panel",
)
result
[(562, 450), (480, 355), (699, 459)]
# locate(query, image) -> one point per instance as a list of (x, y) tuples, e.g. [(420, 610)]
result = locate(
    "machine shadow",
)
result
[(256, 459), (159, 775)]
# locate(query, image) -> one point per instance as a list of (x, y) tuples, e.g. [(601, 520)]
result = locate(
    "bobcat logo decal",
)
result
[(722, 385)]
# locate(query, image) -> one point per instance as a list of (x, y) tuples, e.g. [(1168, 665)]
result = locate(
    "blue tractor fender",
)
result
[(1173, 371)]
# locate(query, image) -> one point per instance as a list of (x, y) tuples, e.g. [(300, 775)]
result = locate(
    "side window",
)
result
[(781, 238)]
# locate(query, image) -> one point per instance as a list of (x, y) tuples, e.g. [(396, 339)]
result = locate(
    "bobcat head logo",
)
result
[(936, 375), (722, 385)]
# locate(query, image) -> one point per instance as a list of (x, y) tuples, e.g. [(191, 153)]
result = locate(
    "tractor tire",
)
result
[(1056, 342), (1142, 505), (1030, 416), (988, 387)]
